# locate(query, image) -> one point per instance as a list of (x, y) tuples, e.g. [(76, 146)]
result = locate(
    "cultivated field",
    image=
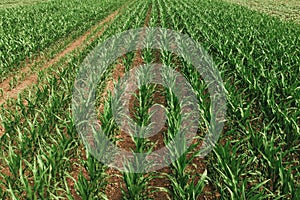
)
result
[(13, 3), (285, 10), (43, 46)]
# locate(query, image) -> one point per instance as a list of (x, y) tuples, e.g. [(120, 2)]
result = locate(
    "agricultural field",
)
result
[(285, 10), (13, 3), (50, 148)]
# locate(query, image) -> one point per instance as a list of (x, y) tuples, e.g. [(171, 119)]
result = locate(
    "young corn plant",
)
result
[(92, 187)]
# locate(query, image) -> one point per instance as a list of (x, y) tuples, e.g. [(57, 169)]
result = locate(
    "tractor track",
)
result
[(31, 79)]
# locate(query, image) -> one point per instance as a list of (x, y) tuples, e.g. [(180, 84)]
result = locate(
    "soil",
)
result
[(2, 131)]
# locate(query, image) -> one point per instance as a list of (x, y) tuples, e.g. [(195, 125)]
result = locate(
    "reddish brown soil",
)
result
[(2, 131), (115, 184)]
